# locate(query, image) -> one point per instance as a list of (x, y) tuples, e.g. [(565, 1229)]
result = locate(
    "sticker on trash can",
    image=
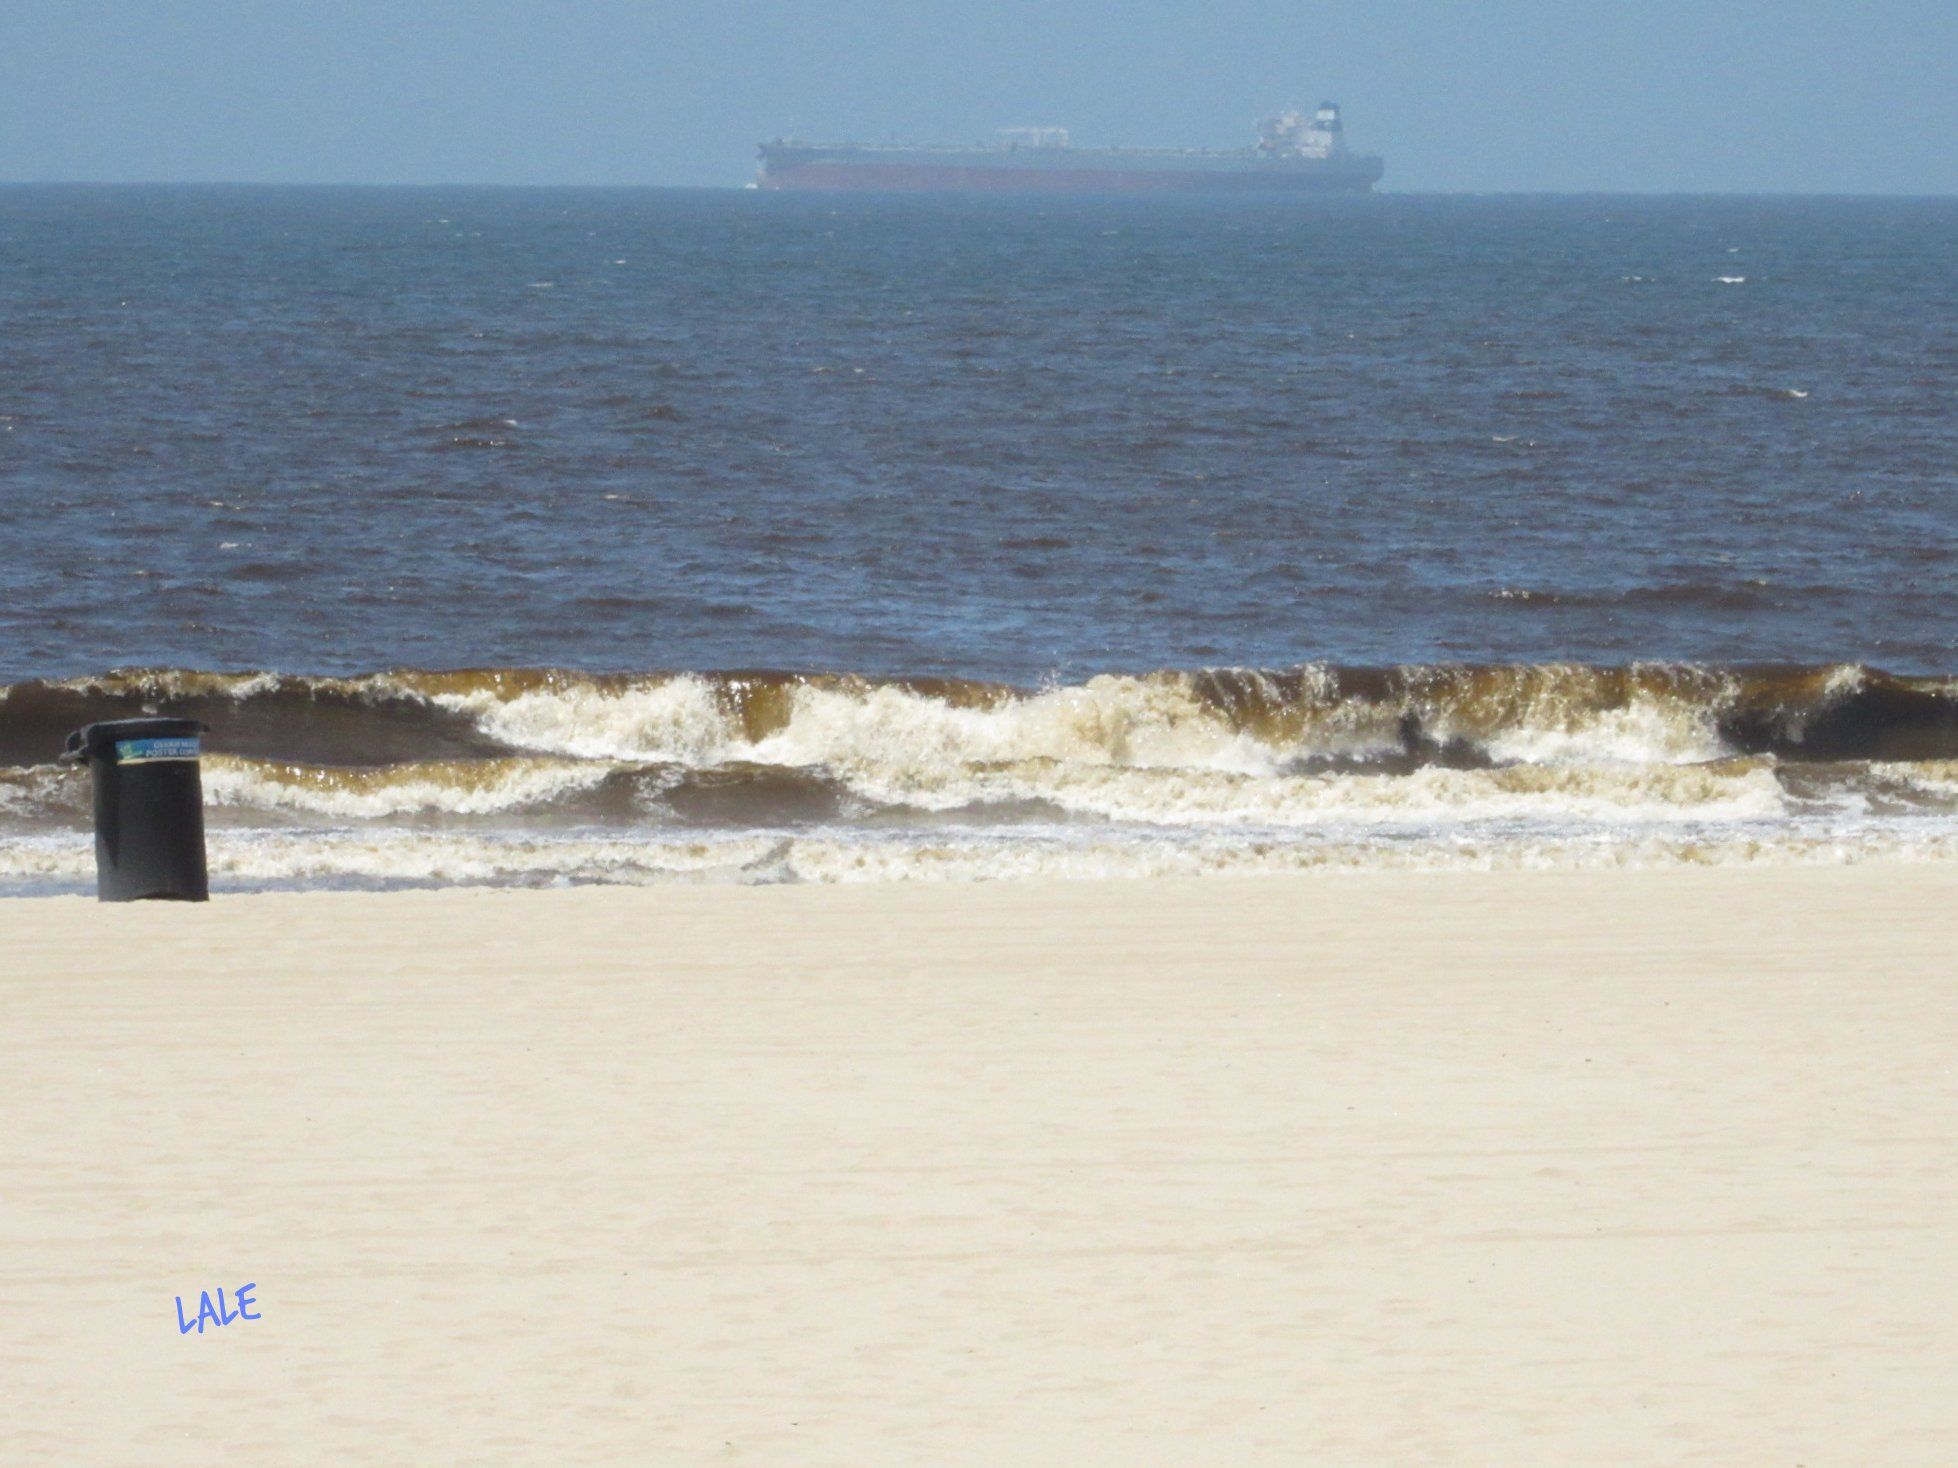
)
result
[(142, 751)]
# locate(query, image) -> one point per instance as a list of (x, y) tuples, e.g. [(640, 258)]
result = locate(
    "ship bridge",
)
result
[(1291, 134)]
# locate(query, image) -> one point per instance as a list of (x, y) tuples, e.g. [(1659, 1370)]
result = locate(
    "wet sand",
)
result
[(1650, 1167)]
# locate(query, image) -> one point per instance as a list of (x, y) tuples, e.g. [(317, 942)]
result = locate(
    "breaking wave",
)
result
[(1151, 771), (1226, 718)]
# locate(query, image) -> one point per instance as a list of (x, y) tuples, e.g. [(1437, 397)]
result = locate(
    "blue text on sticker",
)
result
[(135, 751)]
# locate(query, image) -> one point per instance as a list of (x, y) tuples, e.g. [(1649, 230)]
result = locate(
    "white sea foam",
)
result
[(473, 788), (1138, 723), (246, 860), (681, 719), (1141, 722), (1431, 799), (1930, 782), (1171, 796)]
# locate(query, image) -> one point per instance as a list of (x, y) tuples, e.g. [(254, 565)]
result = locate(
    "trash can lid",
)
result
[(99, 741)]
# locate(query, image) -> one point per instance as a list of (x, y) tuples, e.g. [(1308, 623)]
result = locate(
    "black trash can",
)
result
[(149, 808)]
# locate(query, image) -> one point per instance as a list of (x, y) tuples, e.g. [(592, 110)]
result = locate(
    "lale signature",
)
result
[(219, 1314)]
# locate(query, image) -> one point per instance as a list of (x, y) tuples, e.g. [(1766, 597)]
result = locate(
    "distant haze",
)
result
[(1666, 95)]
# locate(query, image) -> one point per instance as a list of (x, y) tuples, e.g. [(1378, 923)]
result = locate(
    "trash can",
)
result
[(149, 808)]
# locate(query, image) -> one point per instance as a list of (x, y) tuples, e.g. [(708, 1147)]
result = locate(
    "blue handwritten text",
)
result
[(220, 1313)]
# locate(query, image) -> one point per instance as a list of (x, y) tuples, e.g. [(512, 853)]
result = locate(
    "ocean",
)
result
[(540, 536)]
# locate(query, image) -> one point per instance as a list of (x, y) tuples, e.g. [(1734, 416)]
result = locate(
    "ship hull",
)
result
[(908, 179), (799, 169)]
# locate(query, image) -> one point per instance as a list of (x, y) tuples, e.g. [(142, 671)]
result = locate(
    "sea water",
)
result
[(561, 535)]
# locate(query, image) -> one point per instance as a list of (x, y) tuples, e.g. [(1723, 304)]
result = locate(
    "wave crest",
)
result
[(1225, 719)]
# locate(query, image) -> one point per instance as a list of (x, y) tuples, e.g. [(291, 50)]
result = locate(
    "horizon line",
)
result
[(745, 187)]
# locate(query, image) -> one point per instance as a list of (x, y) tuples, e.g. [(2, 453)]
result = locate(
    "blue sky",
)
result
[(1719, 95)]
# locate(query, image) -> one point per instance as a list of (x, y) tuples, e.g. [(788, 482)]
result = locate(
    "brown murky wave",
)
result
[(1399, 718), (521, 775)]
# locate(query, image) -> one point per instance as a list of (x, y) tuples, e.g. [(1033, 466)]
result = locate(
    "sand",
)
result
[(1561, 1168)]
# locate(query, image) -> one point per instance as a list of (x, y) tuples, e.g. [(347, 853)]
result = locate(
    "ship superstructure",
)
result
[(1294, 153)]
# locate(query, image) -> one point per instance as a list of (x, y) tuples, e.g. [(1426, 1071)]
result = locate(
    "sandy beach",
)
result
[(1643, 1167)]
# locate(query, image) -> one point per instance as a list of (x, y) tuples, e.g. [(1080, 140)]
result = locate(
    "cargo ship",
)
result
[(1294, 154)]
